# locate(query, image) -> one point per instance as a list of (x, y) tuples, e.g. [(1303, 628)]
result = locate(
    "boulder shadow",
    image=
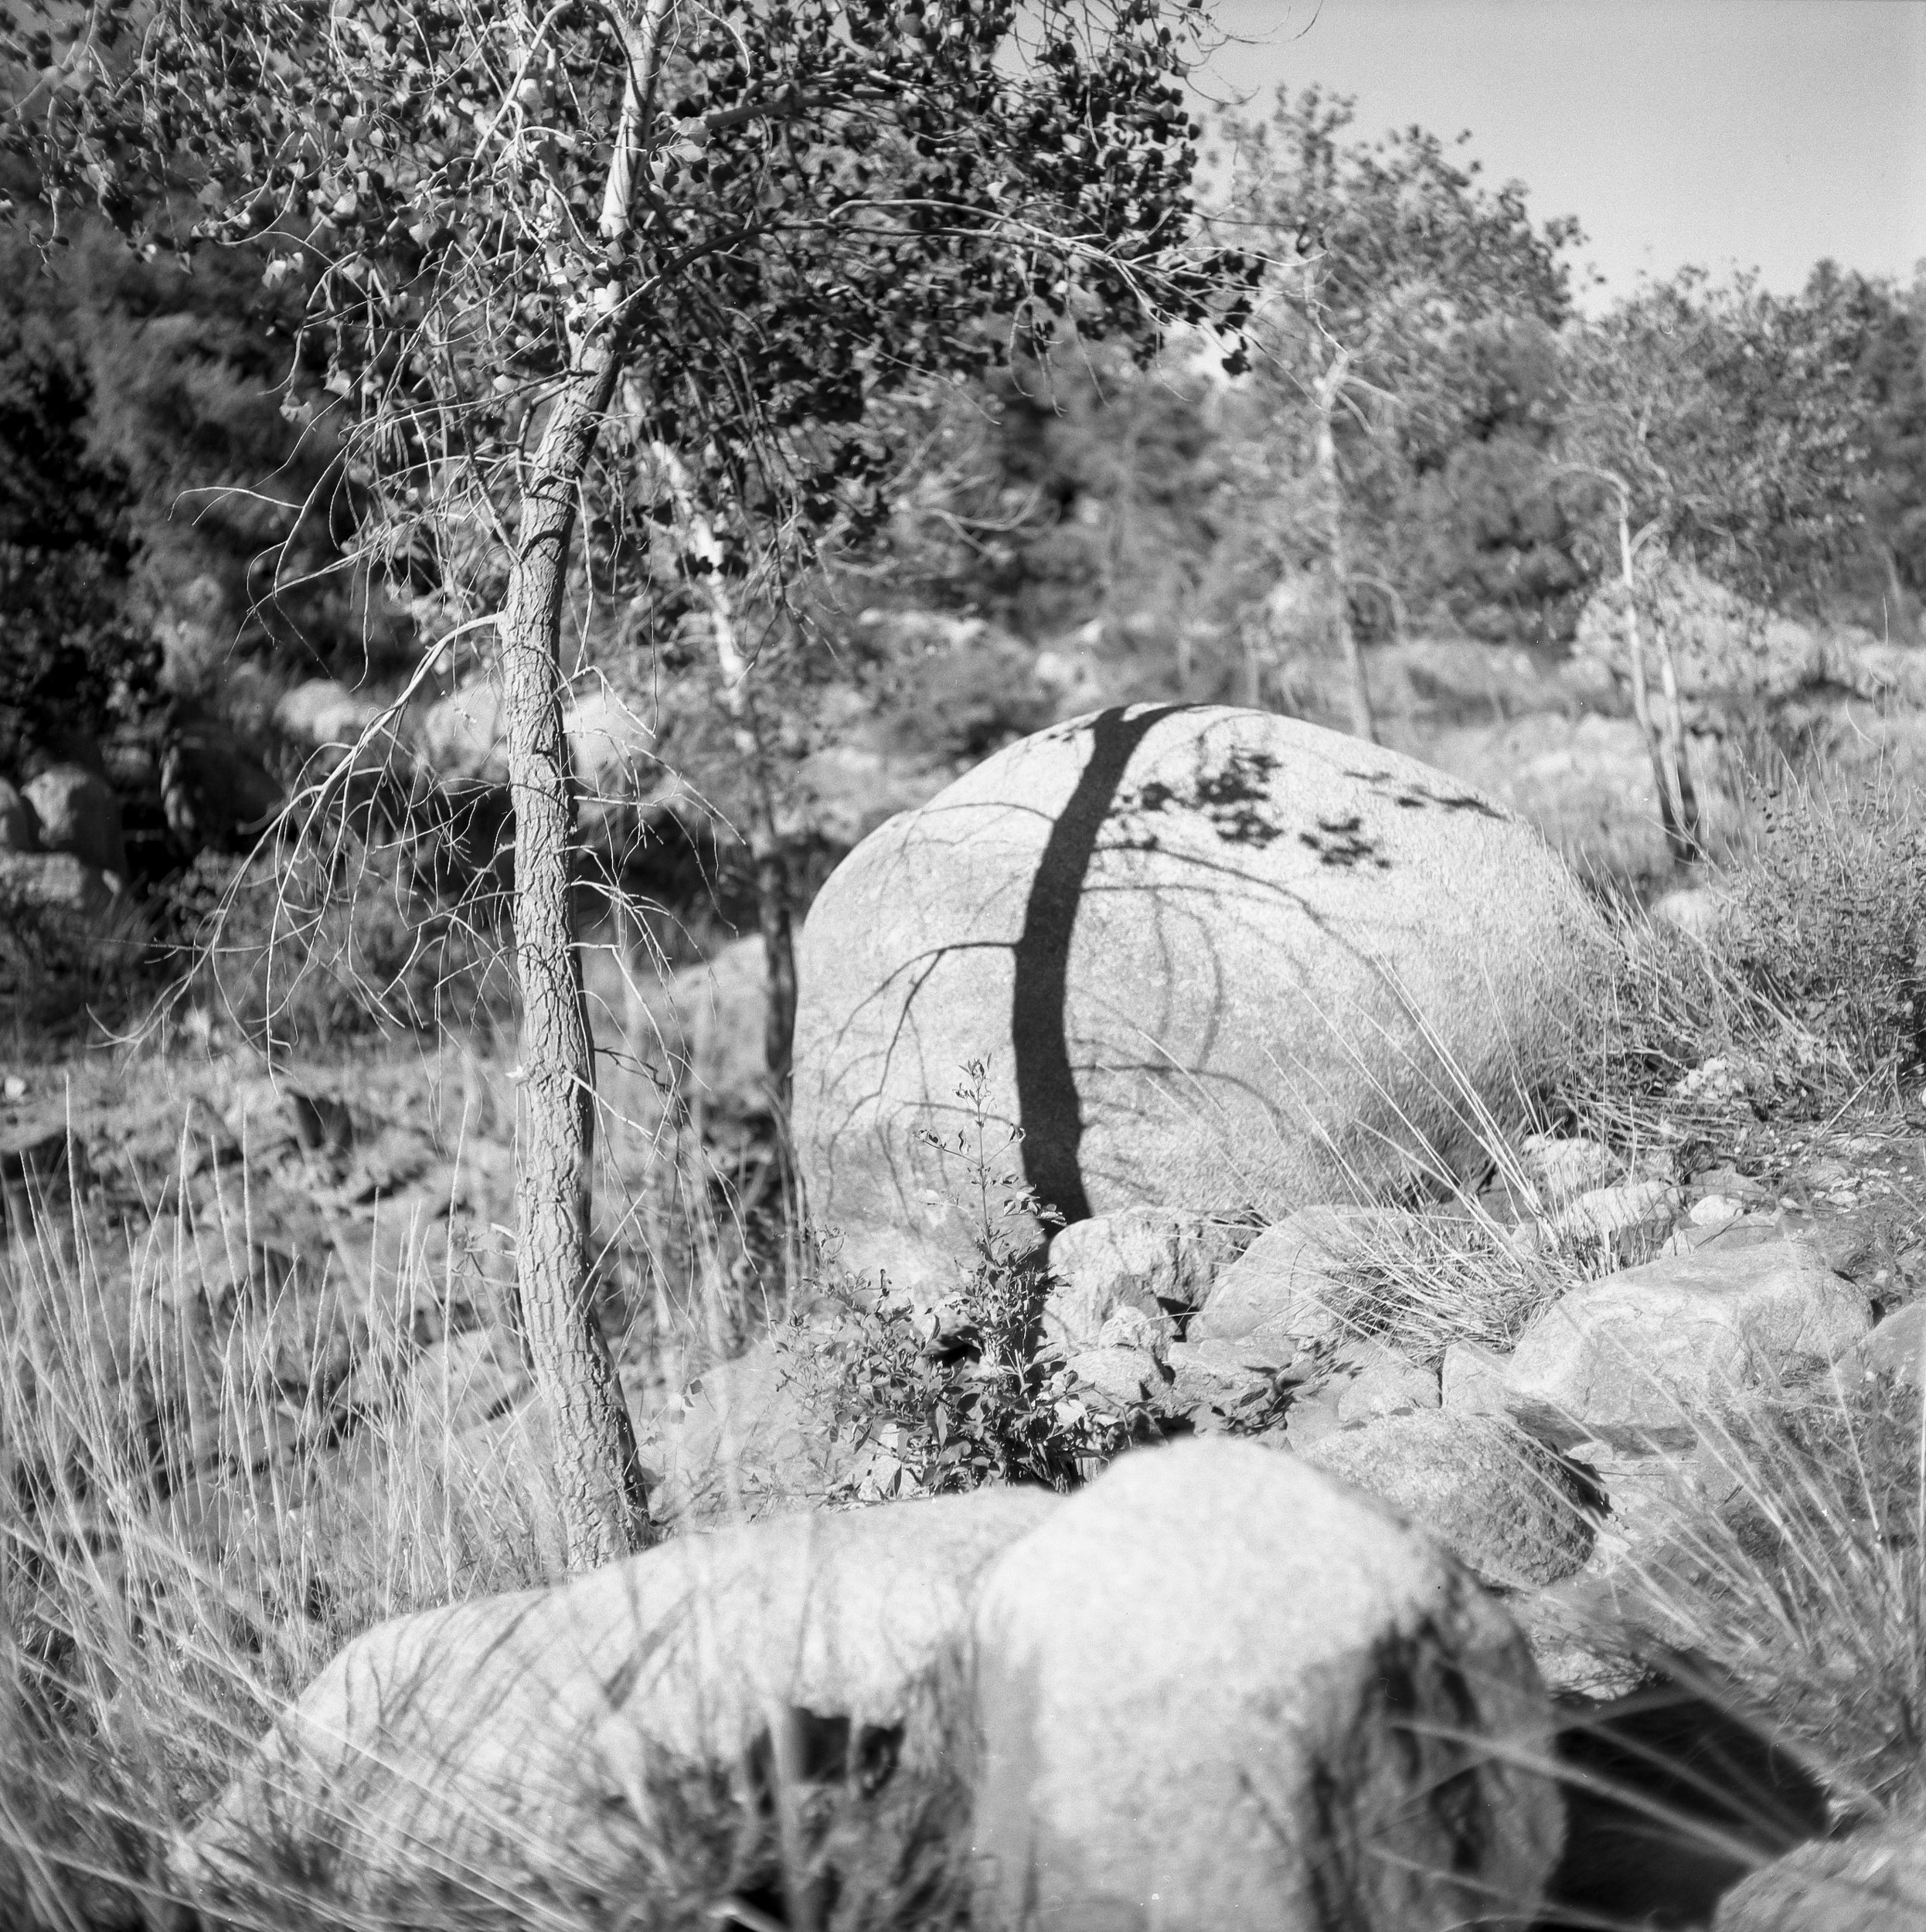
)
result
[(1670, 1800)]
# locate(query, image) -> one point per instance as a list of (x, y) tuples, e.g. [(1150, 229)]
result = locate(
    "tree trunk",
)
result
[(1641, 696), (1330, 485), (1685, 796), (604, 1505)]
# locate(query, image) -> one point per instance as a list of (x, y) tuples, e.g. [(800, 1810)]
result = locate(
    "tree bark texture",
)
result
[(1685, 795), (1655, 747), (604, 1503), (1331, 485)]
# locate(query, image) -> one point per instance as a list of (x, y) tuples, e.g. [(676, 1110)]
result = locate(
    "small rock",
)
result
[(1694, 910), (1313, 1416), (1473, 1379), (79, 813), (54, 882), (1214, 1383), (1384, 1383), (1635, 1357), (1157, 1260), (1124, 1378), (1896, 1348), (324, 713), (1216, 1688), (1129, 1327), (1614, 1215), (13, 1088), (1714, 1210), (1562, 1167), (1288, 1283), (1501, 1503), (19, 826)]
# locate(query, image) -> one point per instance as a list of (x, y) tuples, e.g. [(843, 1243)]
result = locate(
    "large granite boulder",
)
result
[(566, 1735), (1210, 958), (1218, 1688)]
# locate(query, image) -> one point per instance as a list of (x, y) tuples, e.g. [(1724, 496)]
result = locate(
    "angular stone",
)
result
[(1162, 1260), (19, 826), (1219, 1689), (1562, 1166), (1120, 1378), (1501, 1503), (79, 813), (1214, 1382), (1383, 1383), (1473, 1379), (1642, 1354), (1896, 1348), (1288, 1285), (1611, 1215), (53, 882)]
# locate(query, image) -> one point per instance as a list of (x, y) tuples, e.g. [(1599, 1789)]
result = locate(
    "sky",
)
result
[(1737, 133)]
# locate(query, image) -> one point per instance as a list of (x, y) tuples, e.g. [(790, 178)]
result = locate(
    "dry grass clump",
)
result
[(1827, 919), (181, 1548), (1807, 992), (1789, 1583), (1420, 1284)]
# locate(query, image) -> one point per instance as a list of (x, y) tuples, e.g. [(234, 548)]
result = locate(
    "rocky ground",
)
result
[(258, 1334)]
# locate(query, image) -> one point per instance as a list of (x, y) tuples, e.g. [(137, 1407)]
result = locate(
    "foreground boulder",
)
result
[(1218, 1688), (1640, 1357), (1211, 958), (569, 1737)]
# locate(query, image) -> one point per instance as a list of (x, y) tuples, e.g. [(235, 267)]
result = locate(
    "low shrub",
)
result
[(950, 1392), (1827, 919)]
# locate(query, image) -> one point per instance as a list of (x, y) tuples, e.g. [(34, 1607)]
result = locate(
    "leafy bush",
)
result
[(1828, 919), (936, 1396)]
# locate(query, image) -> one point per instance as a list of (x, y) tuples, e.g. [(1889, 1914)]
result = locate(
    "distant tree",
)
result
[(1725, 428), (72, 660), (1380, 255), (541, 248), (1884, 327)]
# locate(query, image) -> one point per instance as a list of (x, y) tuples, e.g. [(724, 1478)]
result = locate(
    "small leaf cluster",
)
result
[(933, 1397)]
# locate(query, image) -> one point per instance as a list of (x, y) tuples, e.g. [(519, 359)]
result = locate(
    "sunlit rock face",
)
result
[(1210, 958)]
